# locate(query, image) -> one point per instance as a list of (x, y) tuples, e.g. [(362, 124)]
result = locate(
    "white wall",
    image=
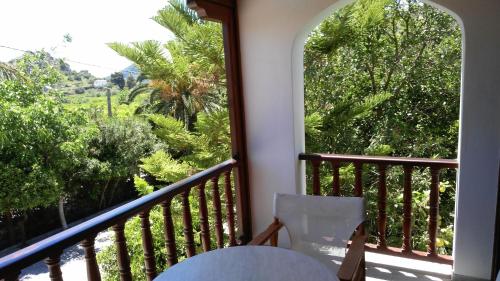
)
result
[(274, 116), (479, 144), (272, 33)]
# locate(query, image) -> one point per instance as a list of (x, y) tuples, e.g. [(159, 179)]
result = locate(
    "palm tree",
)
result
[(184, 76)]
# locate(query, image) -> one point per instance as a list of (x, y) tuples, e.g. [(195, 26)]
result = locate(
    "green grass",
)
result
[(95, 103)]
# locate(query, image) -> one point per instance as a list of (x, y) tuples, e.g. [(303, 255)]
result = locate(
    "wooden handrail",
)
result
[(12, 264), (387, 160)]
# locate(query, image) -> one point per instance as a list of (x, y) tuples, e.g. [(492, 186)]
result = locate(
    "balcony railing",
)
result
[(50, 249), (382, 164)]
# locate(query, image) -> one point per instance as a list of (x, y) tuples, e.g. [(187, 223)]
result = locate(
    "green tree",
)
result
[(131, 82), (404, 57), (39, 138), (188, 80), (117, 79), (115, 151)]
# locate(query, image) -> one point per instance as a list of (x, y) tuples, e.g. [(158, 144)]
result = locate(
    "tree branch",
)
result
[(415, 62), (397, 55)]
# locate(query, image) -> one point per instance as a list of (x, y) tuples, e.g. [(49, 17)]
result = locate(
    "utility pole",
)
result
[(103, 84), (108, 96)]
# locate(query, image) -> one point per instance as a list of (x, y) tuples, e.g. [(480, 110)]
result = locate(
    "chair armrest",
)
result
[(267, 234), (352, 267)]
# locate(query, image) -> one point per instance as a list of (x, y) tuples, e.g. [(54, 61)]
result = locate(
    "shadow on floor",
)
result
[(376, 271)]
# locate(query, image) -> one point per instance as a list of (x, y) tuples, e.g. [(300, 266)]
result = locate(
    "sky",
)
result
[(36, 24)]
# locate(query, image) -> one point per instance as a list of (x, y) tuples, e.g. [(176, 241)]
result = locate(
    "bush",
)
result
[(210, 143)]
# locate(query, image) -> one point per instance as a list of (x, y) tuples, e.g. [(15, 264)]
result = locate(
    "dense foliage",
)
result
[(52, 151), (118, 79), (385, 73), (382, 77), (40, 141), (115, 152), (194, 151)]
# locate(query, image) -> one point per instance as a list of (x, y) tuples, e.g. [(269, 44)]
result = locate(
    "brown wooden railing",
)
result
[(382, 163), (50, 249)]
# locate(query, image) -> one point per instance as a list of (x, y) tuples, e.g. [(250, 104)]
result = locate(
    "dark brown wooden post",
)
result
[(52, 263), (188, 225), (205, 230), (225, 12), (315, 172), (169, 232), (358, 181), (93, 273), (433, 211), (273, 240), (218, 212), (382, 213), (122, 252), (407, 202), (147, 246), (335, 178), (229, 207), (495, 263), (358, 189)]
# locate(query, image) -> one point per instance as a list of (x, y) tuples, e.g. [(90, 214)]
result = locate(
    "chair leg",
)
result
[(274, 240), (360, 274), (363, 270)]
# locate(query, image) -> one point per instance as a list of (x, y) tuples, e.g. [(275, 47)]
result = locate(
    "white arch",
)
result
[(462, 264), (272, 83), (298, 74)]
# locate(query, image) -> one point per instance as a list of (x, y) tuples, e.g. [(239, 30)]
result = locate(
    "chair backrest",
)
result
[(319, 225)]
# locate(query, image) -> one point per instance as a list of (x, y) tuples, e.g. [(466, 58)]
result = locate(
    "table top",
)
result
[(249, 263)]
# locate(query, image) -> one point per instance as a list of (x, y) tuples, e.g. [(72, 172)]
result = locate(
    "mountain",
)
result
[(73, 82), (130, 70)]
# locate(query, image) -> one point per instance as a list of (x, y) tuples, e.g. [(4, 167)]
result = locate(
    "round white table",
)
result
[(249, 263)]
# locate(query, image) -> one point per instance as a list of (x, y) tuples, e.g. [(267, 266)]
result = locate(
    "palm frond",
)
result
[(172, 21), (136, 91), (148, 56), (189, 14)]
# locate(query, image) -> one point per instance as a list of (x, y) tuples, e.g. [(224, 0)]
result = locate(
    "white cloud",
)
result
[(32, 25)]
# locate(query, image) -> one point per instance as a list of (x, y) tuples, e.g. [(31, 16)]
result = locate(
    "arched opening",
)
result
[(383, 78)]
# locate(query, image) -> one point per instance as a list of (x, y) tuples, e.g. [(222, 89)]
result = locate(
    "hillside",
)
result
[(78, 82)]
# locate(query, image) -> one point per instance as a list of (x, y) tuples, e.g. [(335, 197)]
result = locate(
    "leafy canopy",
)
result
[(383, 78), (39, 139)]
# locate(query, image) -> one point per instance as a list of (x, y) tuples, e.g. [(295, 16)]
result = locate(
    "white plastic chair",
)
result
[(321, 227)]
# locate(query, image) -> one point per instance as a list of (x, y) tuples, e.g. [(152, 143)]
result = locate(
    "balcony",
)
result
[(267, 132), (383, 262)]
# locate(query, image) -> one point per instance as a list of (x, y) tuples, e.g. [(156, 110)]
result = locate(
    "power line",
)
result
[(69, 60)]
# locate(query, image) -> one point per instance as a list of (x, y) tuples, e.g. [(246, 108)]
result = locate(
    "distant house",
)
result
[(100, 83)]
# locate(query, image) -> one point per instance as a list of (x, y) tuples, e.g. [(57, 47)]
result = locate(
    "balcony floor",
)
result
[(385, 267)]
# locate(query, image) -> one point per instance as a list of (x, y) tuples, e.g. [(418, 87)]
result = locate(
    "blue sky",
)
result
[(37, 24)]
